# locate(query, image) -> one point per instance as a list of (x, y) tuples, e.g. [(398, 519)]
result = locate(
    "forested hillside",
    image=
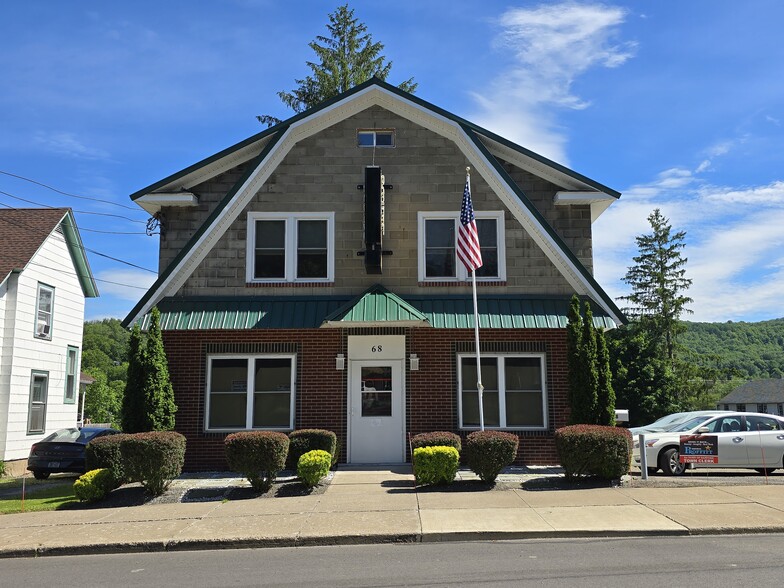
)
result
[(104, 357), (752, 350)]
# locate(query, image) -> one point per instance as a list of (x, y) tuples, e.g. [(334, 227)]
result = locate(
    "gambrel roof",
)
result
[(266, 150), (24, 231)]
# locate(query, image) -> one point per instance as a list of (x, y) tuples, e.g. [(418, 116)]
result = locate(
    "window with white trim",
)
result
[(250, 392), (514, 394), (437, 256), (44, 309), (375, 137), (71, 374), (290, 247), (39, 393)]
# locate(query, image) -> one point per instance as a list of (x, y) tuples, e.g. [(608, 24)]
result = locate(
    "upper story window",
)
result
[(43, 312), (290, 247), (437, 256), (375, 137)]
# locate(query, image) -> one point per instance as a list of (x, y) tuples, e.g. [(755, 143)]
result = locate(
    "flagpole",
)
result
[(479, 387)]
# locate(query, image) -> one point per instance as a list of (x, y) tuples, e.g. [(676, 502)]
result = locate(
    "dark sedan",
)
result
[(63, 451)]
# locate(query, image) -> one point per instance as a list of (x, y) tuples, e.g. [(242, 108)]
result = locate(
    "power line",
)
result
[(37, 183), (62, 271), (79, 211)]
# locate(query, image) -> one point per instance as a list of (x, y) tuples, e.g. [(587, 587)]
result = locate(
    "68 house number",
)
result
[(377, 349)]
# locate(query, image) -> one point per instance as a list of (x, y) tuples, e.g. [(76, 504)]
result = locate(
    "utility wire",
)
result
[(37, 183), (62, 271), (80, 246), (79, 211)]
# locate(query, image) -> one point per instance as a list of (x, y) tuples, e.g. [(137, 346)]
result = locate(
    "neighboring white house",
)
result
[(44, 280)]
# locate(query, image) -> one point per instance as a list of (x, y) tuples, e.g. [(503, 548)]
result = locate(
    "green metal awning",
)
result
[(375, 307)]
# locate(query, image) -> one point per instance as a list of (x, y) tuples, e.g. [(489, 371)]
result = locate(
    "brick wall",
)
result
[(431, 392)]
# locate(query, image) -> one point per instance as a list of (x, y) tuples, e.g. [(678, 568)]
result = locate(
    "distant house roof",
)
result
[(757, 392), (85, 379), (24, 230)]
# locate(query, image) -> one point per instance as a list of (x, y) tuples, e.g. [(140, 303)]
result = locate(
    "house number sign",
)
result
[(364, 347)]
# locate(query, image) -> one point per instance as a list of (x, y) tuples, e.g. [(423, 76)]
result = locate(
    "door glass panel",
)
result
[(376, 391)]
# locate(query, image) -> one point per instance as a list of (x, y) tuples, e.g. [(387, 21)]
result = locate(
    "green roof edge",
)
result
[(79, 256)]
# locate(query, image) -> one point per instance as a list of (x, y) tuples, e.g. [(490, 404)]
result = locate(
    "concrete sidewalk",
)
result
[(383, 505)]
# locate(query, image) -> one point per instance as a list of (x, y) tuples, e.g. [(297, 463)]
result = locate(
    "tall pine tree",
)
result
[(346, 58), (605, 394), (158, 392), (133, 399), (590, 373)]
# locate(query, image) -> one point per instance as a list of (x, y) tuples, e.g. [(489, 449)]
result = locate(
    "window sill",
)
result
[(458, 284), (289, 284)]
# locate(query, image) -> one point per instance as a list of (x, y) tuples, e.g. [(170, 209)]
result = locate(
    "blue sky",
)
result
[(678, 105)]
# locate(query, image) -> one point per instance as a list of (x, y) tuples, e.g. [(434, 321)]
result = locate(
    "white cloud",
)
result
[(551, 46), (63, 143), (126, 284)]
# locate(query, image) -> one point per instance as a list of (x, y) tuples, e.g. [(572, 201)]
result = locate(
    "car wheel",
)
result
[(670, 463), (39, 475)]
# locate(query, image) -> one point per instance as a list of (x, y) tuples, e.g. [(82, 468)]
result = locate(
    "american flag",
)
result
[(467, 236)]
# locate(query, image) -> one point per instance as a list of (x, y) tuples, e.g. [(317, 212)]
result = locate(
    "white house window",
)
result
[(289, 247), (71, 374), (514, 394), (375, 137), (250, 392), (39, 391), (43, 312), (437, 257)]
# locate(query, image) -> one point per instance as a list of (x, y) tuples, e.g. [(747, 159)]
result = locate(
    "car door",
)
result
[(765, 441), (732, 440)]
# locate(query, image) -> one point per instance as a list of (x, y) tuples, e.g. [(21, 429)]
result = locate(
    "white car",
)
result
[(669, 420), (743, 440)]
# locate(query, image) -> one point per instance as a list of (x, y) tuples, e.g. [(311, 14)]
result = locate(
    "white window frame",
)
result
[(291, 223), (461, 275), (375, 133), (71, 399), (45, 403), (43, 330), (249, 391), (501, 357)]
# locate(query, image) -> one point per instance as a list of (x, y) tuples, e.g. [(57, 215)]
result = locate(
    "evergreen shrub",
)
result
[(104, 453), (437, 439), (257, 455), (304, 440), (488, 452), (312, 466), (435, 464), (594, 450), (94, 485), (154, 459)]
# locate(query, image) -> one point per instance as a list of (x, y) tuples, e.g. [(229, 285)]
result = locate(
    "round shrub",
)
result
[(257, 455), (154, 459), (304, 440), (594, 450), (437, 439), (94, 485), (435, 464), (488, 452), (313, 465), (104, 453)]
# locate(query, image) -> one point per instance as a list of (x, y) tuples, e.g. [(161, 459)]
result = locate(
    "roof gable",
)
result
[(376, 305), (24, 232), (279, 140)]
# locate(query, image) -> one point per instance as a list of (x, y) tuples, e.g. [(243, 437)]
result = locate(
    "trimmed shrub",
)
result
[(104, 453), (435, 464), (257, 455), (437, 439), (304, 440), (594, 450), (94, 485), (2, 468), (488, 452), (313, 465), (154, 459)]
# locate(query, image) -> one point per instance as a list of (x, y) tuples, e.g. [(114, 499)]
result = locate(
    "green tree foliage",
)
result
[(159, 406), (103, 400), (104, 357), (344, 59), (133, 399), (574, 332), (605, 394), (658, 282), (588, 368)]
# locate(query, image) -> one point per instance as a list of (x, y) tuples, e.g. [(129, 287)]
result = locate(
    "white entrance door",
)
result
[(376, 411)]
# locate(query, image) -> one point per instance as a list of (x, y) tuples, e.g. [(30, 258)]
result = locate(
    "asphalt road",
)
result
[(746, 560)]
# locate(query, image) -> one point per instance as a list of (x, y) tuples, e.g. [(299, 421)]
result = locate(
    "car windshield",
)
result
[(73, 435), (688, 425)]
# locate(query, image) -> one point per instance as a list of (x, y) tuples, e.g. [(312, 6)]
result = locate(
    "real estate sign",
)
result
[(699, 449)]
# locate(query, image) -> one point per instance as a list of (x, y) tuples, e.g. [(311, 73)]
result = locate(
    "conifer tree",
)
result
[(588, 368), (605, 394), (345, 58), (159, 406), (133, 398), (573, 340)]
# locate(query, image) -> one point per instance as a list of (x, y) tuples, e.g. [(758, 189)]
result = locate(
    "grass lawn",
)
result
[(39, 495)]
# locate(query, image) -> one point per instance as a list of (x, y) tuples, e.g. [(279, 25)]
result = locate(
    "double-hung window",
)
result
[(514, 395), (71, 374), (290, 247), (43, 312), (250, 392), (39, 392), (438, 260)]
